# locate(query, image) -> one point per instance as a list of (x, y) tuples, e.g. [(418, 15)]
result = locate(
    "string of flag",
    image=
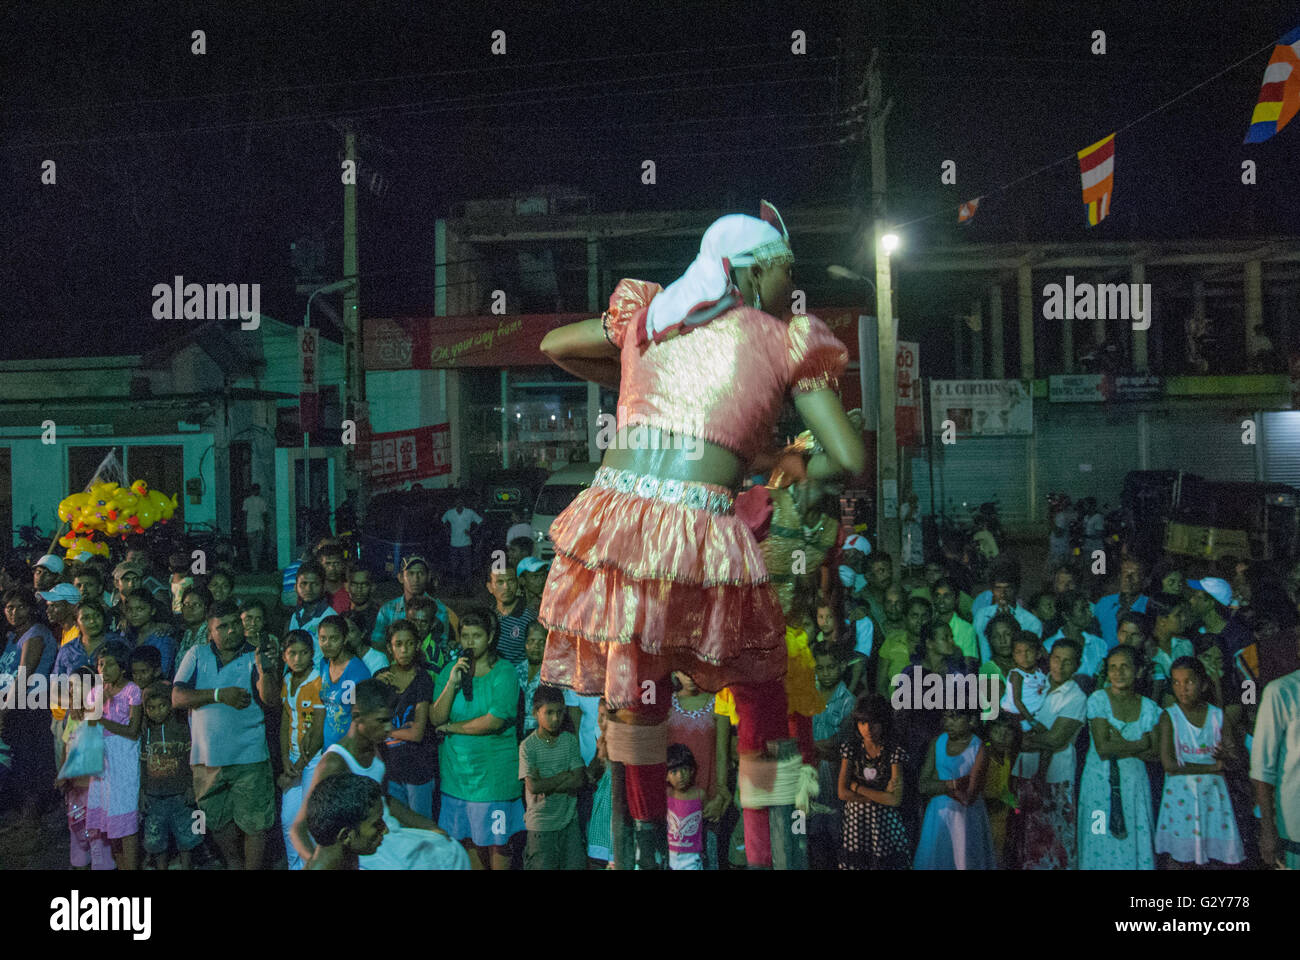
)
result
[(1278, 104)]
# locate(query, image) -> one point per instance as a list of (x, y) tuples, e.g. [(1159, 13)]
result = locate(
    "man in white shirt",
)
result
[(460, 520), (518, 528), (255, 526), (1077, 614), (1275, 771), (1006, 586)]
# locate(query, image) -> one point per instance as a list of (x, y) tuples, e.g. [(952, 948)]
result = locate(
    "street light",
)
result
[(306, 444), (889, 242)]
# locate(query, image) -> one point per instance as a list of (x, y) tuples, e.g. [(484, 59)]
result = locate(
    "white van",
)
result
[(560, 489)]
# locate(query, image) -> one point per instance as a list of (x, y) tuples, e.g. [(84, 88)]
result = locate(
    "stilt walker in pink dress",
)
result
[(653, 570)]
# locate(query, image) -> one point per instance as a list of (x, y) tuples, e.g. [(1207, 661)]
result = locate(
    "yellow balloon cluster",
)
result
[(111, 510)]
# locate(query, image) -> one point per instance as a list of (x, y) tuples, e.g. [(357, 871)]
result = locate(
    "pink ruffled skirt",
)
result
[(644, 585)]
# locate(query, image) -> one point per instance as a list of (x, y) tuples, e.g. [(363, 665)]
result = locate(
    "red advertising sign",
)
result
[(907, 402), (403, 456), (430, 343)]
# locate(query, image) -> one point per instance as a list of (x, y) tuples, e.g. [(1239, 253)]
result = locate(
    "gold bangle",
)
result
[(604, 324)]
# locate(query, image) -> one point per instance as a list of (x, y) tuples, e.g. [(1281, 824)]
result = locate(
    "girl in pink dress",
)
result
[(113, 799)]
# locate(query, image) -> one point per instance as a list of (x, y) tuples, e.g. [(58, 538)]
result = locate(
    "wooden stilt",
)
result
[(789, 835), (621, 838)]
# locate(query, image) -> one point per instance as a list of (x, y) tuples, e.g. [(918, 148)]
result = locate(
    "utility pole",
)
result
[(354, 369), (887, 533)]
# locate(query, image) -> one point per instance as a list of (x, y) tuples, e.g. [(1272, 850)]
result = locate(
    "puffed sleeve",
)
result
[(816, 357), (627, 306)]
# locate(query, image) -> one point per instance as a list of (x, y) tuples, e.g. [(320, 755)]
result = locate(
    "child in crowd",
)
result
[(113, 798), (1027, 683), (685, 811), (222, 584), (828, 727), (437, 640), (600, 855), (955, 834), (1003, 747), (871, 787), (339, 675), (358, 641), (550, 764), (854, 642), (167, 785), (253, 617), (345, 816), (146, 667), (410, 752), (87, 850), (530, 674), (1196, 822), (302, 729)]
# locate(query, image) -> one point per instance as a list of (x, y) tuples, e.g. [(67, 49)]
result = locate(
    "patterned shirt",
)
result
[(528, 688)]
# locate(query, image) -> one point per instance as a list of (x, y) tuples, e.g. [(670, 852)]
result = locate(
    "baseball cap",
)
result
[(530, 565), (414, 559), (51, 563), (127, 567), (84, 556), (62, 591), (857, 542), (1219, 589)]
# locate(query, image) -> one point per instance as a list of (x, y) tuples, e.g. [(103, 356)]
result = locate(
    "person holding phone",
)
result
[(218, 683)]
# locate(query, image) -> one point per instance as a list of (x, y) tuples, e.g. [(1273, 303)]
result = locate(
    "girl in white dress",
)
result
[(1115, 816), (1196, 820)]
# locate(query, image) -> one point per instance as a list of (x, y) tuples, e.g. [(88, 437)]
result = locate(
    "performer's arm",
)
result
[(584, 351), (845, 454)]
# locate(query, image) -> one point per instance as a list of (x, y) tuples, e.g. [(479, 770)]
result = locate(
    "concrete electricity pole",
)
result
[(887, 533), (354, 371)]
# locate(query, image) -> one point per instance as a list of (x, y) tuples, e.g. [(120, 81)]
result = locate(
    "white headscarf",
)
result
[(705, 290)]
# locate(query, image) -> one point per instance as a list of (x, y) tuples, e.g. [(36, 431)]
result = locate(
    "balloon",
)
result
[(170, 507), (66, 540), (146, 513), (140, 488)]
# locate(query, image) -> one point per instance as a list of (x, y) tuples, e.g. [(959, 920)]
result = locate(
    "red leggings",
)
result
[(761, 710)]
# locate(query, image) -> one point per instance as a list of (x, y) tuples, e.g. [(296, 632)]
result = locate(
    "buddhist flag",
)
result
[(1279, 97), (967, 210), (1097, 167)]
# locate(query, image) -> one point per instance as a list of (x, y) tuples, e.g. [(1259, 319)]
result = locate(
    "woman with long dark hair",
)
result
[(653, 570)]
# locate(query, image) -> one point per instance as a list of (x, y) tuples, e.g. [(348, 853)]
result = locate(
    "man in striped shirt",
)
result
[(512, 613)]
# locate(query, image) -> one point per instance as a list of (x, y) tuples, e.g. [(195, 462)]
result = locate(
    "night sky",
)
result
[(210, 166)]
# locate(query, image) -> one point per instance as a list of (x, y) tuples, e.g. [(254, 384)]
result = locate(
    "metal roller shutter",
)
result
[(976, 470), (1085, 451), (1281, 442), (1207, 442)]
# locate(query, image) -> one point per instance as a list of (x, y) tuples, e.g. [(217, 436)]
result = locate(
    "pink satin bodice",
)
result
[(724, 381)]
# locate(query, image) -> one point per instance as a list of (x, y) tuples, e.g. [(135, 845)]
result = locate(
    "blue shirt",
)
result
[(12, 655), (1023, 617), (166, 644), (222, 736), (338, 699), (1106, 610), (1091, 657)]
